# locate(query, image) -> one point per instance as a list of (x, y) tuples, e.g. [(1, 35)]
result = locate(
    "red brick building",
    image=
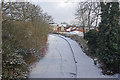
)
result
[(61, 28)]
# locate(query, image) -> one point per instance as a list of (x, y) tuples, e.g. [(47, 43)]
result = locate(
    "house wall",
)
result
[(55, 28), (61, 29)]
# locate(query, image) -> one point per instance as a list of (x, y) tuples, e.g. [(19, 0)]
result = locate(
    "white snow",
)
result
[(59, 61), (73, 33), (77, 33), (74, 28), (69, 29)]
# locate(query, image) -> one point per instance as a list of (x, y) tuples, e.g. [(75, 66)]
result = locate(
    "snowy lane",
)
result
[(59, 61)]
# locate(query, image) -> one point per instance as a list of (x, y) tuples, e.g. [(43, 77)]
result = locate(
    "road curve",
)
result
[(65, 59), (58, 61)]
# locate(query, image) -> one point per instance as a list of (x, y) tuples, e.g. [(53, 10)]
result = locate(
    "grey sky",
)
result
[(60, 11)]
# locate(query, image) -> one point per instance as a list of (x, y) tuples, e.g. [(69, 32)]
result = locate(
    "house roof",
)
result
[(53, 24), (62, 25), (80, 30)]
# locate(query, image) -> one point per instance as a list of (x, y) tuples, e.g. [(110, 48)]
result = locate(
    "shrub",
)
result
[(24, 37), (92, 38)]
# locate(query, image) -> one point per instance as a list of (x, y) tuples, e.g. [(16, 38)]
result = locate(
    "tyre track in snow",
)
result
[(72, 54), (61, 59)]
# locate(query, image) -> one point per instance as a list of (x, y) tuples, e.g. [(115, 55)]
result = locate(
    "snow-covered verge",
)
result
[(59, 61), (73, 33), (85, 64), (83, 44), (79, 39)]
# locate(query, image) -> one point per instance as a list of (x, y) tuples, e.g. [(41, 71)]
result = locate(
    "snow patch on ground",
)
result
[(73, 33)]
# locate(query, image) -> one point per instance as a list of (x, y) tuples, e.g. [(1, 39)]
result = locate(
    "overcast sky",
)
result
[(60, 11)]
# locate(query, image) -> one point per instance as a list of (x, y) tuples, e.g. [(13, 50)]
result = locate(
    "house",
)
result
[(54, 27), (69, 29), (80, 29), (76, 31), (61, 28), (73, 28)]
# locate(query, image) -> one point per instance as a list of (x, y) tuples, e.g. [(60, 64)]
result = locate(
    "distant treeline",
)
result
[(24, 35)]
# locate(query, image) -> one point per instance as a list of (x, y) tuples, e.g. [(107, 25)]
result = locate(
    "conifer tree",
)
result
[(108, 36)]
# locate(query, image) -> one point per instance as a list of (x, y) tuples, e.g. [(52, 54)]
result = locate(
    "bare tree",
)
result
[(87, 14), (96, 11), (81, 15)]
